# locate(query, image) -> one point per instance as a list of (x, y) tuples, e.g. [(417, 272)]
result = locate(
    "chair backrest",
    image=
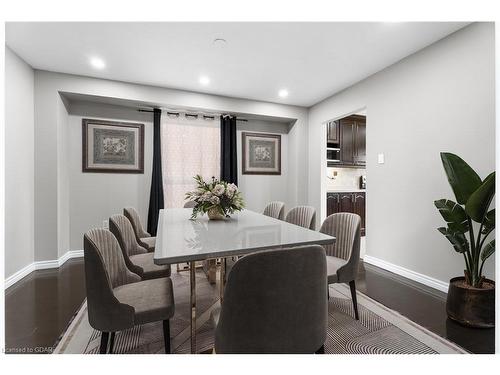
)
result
[(189, 204), (121, 227), (304, 216), (346, 228), (133, 216), (105, 269), (275, 302), (275, 209)]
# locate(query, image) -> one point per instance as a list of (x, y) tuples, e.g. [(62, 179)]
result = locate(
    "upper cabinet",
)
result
[(360, 142), (347, 144), (348, 137), (332, 132)]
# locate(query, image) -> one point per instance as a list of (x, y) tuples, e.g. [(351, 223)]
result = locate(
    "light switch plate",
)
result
[(381, 159), (105, 224)]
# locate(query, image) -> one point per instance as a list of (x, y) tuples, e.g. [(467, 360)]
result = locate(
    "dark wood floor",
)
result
[(39, 307)]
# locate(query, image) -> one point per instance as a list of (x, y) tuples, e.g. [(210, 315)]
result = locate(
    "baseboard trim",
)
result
[(21, 274), (41, 265), (409, 274)]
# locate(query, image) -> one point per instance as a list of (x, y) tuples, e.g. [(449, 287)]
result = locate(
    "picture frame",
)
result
[(112, 146), (261, 153)]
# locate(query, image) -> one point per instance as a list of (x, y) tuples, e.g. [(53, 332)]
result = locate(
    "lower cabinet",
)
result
[(348, 202)]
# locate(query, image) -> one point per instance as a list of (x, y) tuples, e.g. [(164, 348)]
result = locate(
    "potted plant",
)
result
[(217, 198), (471, 298)]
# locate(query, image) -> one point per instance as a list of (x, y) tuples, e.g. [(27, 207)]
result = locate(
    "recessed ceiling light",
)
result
[(204, 80), (219, 42), (283, 93), (97, 63)]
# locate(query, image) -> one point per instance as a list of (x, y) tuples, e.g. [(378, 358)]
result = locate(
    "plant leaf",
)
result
[(453, 214), (462, 178), (488, 250), (478, 203), (457, 239), (489, 222)]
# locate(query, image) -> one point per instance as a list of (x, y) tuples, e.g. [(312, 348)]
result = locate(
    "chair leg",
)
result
[(111, 342), (352, 285), (166, 335), (104, 343), (321, 350)]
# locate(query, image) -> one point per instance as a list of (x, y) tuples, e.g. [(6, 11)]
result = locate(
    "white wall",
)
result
[(63, 173), (259, 190), (94, 197), (54, 192), (19, 163), (442, 98)]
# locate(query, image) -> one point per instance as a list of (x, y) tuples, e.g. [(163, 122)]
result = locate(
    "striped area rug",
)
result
[(379, 330)]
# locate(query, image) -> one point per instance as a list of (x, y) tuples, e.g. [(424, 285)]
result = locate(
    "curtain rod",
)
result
[(188, 114)]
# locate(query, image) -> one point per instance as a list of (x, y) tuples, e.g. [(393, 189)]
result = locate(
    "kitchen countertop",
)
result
[(346, 190)]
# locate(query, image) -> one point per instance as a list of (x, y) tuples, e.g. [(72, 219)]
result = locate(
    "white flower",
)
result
[(218, 189), (215, 200), (206, 197), (231, 190)]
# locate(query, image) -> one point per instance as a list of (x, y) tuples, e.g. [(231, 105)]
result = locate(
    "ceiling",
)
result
[(310, 60)]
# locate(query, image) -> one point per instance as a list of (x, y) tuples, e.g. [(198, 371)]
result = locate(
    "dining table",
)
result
[(181, 239)]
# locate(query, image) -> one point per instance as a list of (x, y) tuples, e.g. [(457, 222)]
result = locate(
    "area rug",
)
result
[(379, 329)]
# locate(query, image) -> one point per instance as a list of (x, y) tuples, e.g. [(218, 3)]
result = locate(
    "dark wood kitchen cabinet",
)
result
[(346, 202), (354, 202), (360, 209), (332, 203), (332, 132), (347, 144), (360, 143), (349, 134)]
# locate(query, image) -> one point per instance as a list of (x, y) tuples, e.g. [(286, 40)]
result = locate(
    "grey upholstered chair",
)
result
[(304, 216), (143, 238), (275, 209), (189, 204), (137, 258), (343, 256), (272, 311), (117, 299)]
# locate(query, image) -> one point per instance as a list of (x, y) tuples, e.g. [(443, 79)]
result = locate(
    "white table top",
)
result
[(179, 239)]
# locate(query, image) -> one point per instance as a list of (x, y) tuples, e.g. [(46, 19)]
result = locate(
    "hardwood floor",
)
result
[(423, 305), (39, 307)]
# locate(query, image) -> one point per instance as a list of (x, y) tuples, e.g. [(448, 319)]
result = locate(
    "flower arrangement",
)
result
[(218, 199)]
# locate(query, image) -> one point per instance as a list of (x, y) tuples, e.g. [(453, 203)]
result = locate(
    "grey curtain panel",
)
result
[(228, 156), (156, 195)]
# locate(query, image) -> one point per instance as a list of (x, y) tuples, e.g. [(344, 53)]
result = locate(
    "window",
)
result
[(189, 147)]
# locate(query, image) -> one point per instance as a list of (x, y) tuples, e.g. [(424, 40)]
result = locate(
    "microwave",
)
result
[(333, 155)]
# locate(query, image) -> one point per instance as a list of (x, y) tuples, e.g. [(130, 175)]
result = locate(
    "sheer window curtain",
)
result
[(189, 147)]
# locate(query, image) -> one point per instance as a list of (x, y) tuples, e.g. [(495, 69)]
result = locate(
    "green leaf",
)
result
[(478, 203), (489, 222), (488, 250), (453, 214), (462, 178), (457, 239)]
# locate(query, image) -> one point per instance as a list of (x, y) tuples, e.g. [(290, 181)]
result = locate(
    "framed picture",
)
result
[(112, 147), (261, 153)]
